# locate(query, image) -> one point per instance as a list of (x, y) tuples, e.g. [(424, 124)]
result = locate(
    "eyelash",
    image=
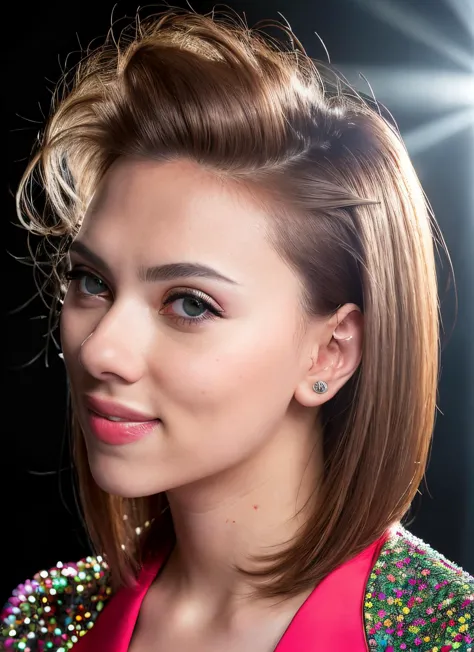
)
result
[(77, 274)]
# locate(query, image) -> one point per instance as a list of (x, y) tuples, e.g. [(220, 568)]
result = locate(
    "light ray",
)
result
[(410, 23), (428, 135), (464, 10), (416, 90)]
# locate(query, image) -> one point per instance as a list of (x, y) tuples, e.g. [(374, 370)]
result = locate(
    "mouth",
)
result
[(117, 431), (115, 411), (114, 423), (110, 417)]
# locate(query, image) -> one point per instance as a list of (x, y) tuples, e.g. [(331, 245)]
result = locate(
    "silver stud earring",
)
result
[(320, 387)]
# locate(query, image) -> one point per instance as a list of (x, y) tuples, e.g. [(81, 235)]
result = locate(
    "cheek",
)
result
[(235, 369), (74, 327), (68, 331), (224, 403)]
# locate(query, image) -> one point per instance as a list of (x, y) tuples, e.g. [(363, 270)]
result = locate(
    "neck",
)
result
[(255, 508)]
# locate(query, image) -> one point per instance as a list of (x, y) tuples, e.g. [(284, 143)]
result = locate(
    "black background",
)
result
[(39, 522)]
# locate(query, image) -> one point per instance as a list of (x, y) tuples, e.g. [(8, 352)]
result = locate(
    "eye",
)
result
[(190, 306), (88, 284)]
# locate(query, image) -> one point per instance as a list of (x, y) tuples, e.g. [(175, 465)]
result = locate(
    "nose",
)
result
[(116, 347)]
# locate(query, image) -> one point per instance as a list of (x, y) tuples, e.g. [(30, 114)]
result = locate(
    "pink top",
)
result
[(331, 618)]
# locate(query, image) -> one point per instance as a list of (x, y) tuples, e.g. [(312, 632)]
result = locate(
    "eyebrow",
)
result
[(168, 272)]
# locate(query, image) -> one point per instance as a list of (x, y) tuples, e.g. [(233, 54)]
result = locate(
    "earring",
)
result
[(320, 387)]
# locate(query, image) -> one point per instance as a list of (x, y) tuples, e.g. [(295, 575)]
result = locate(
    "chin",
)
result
[(117, 477)]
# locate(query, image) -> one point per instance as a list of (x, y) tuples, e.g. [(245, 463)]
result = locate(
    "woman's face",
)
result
[(182, 311)]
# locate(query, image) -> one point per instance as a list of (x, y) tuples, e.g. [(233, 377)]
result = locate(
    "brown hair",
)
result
[(349, 215)]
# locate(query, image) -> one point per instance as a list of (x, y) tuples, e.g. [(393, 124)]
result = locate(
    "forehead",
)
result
[(163, 212)]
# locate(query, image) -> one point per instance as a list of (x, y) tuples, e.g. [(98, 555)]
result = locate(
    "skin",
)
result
[(239, 449)]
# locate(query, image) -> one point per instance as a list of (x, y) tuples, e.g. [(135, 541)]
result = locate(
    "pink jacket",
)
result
[(398, 594)]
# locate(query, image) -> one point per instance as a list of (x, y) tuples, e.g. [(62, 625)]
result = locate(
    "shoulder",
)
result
[(54, 609), (418, 600)]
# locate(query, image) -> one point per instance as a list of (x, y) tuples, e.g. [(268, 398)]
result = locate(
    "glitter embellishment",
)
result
[(416, 600), (57, 607)]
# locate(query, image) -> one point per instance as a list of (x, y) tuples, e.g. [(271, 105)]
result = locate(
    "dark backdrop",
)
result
[(417, 55)]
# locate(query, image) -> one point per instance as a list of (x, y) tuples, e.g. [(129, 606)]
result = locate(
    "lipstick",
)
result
[(117, 424)]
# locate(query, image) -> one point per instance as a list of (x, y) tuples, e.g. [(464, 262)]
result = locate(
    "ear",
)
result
[(335, 354)]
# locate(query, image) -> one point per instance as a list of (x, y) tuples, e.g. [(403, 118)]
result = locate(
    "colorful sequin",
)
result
[(415, 601), (53, 610)]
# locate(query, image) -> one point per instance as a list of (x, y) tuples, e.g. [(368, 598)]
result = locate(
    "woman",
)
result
[(250, 330)]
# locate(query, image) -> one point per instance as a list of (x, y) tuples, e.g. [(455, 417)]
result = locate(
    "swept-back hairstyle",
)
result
[(345, 210)]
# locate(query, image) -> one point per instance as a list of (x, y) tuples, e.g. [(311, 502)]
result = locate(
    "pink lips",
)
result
[(134, 426)]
